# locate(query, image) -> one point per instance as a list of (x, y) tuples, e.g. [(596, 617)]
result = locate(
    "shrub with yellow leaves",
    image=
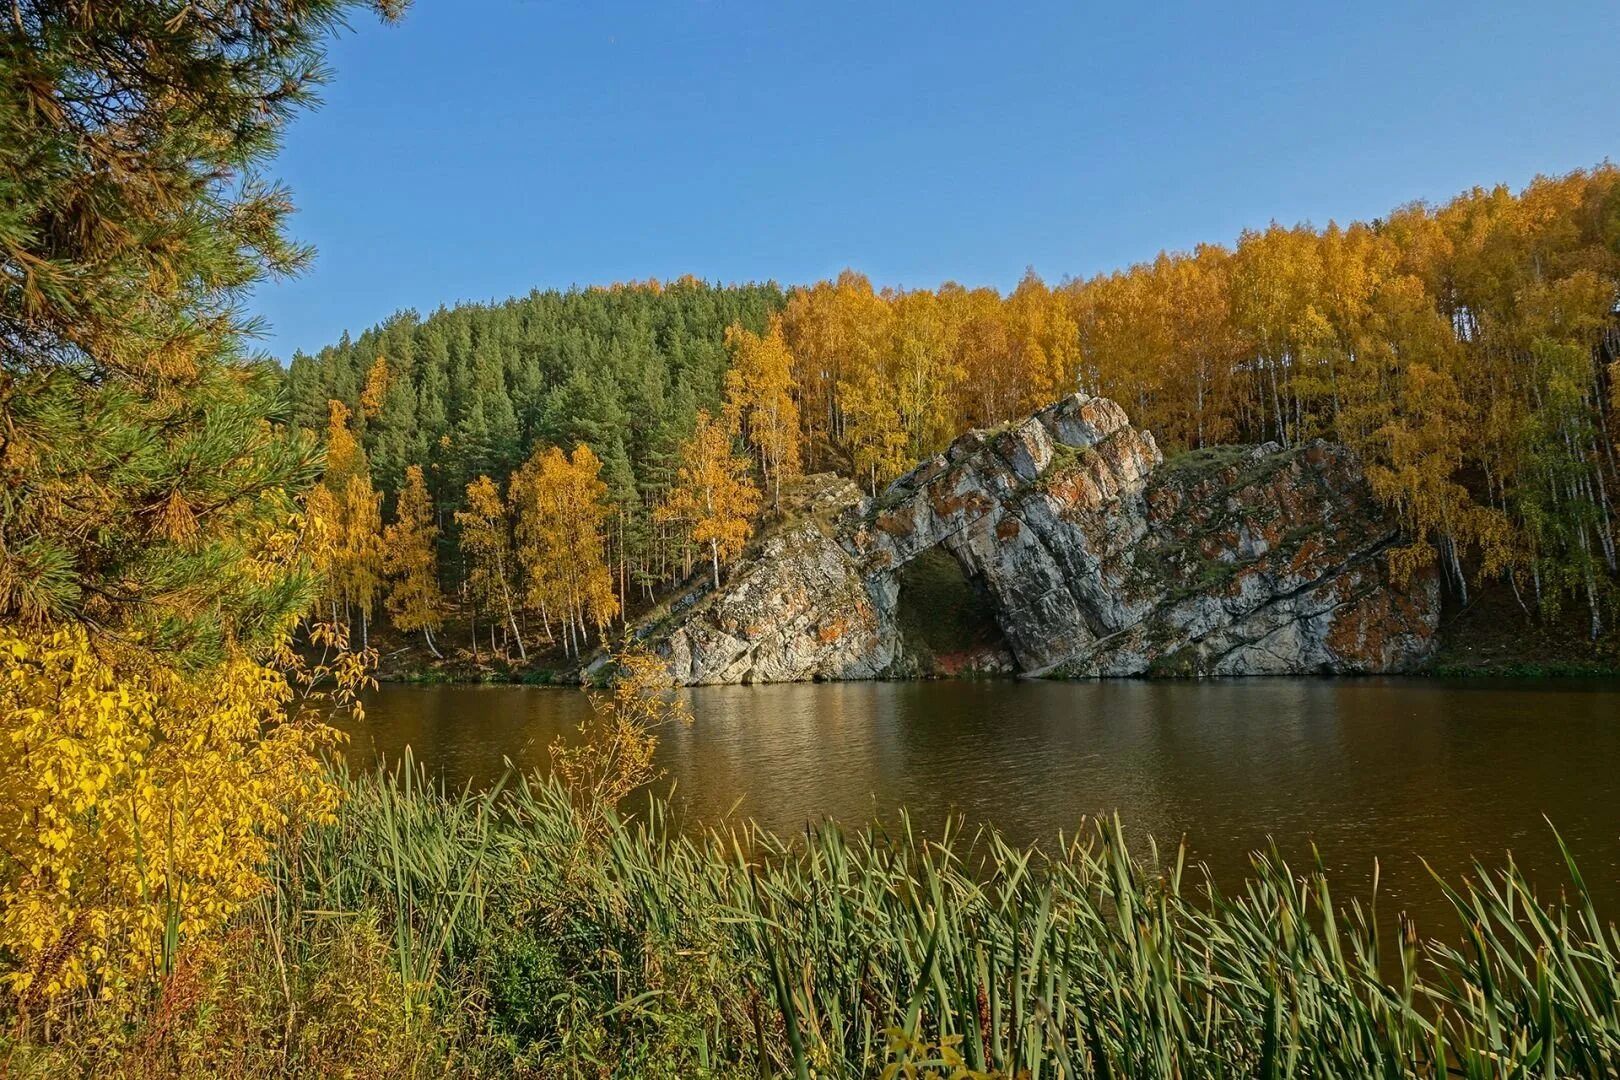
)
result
[(140, 804), (156, 541), (613, 754)]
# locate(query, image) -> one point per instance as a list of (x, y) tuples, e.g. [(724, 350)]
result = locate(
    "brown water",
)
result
[(1390, 769)]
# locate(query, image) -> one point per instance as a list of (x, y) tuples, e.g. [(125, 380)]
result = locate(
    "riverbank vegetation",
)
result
[(157, 548), (519, 932)]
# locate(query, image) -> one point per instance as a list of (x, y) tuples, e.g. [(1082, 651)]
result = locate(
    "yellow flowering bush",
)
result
[(139, 803)]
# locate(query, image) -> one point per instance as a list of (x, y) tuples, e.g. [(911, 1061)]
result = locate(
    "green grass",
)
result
[(741, 953), (1205, 460), (1065, 459), (505, 939)]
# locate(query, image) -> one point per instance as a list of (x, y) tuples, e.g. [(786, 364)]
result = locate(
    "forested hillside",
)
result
[(471, 390), (1467, 351)]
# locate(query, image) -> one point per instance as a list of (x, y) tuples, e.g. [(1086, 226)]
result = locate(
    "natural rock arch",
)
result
[(1100, 559)]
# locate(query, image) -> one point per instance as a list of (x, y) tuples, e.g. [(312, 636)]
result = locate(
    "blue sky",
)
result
[(485, 147)]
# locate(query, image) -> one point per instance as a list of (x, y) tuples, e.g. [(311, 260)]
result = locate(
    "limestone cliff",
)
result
[(1095, 556)]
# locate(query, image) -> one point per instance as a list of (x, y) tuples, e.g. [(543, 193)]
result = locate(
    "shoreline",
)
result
[(1526, 671)]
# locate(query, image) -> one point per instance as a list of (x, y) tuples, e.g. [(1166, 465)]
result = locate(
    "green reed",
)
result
[(865, 952)]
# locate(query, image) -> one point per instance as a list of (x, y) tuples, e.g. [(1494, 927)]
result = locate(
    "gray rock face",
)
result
[(800, 610), (1096, 556)]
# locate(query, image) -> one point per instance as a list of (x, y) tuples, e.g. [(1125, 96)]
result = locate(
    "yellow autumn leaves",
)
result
[(561, 522), (1465, 350), (411, 563), (140, 804), (714, 499), (884, 378), (561, 516), (760, 407)]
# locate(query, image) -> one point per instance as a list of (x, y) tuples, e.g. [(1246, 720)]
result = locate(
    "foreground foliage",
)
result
[(506, 933), (139, 807), (156, 548)]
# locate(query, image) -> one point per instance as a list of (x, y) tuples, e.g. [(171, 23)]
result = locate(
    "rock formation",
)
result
[(1095, 555)]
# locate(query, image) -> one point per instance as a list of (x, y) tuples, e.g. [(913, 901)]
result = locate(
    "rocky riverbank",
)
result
[(1066, 545), (1090, 554)]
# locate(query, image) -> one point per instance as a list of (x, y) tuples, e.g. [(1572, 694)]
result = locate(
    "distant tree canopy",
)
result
[(472, 390), (1468, 351)]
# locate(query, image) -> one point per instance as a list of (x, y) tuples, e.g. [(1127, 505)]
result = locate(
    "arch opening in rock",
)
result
[(947, 620)]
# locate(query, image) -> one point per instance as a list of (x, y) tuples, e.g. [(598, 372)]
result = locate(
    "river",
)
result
[(1396, 770)]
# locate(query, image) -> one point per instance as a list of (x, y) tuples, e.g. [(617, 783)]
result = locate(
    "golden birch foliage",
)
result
[(140, 805), (923, 371), (587, 539), (142, 795), (713, 500), (875, 433), (360, 553), (538, 532), (152, 554), (411, 559), (562, 510), (991, 390), (350, 513), (485, 544), (345, 459), (835, 332), (1124, 329), (613, 755), (1205, 350), (1044, 346), (376, 388), (759, 404), (1470, 352)]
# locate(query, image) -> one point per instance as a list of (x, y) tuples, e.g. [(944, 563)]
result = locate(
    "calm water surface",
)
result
[(1387, 768)]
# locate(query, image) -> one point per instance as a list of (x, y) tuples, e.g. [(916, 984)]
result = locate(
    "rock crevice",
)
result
[(1096, 555)]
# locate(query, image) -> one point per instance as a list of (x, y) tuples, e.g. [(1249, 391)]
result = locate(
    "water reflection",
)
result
[(1380, 768)]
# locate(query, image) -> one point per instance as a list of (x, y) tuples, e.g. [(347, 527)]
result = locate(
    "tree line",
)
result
[(541, 462), (1467, 350)]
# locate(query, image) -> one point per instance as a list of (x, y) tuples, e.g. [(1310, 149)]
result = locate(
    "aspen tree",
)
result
[(562, 510), (486, 546), (713, 498), (352, 561), (410, 547), (759, 406), (376, 388)]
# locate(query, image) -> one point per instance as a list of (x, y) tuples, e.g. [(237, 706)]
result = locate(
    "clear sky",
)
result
[(486, 147)]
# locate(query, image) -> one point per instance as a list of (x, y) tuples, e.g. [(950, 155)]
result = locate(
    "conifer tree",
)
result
[(154, 546), (127, 234), (1466, 350)]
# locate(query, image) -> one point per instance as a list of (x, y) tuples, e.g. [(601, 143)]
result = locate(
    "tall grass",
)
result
[(565, 950)]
